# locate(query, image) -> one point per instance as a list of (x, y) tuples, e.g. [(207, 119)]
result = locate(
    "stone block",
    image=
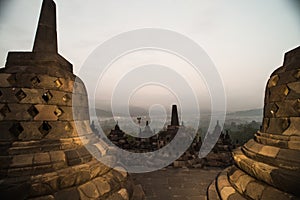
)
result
[(269, 151), (67, 85), (294, 128), (31, 131), (288, 108), (265, 124), (41, 158), (102, 185), (294, 145), (289, 155), (47, 81), (33, 96), (262, 171), (254, 190), (124, 194), (72, 157), (270, 193), (8, 95), (294, 90), (68, 194), (278, 125), (22, 160), (68, 180), (226, 192), (45, 113), (41, 169), (287, 77), (278, 93), (57, 156), (82, 176), (286, 180), (111, 179), (3, 80), (61, 129), (6, 134), (242, 182), (38, 189), (88, 191)]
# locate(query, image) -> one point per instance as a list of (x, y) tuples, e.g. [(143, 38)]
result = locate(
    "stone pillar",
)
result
[(268, 166), (42, 156)]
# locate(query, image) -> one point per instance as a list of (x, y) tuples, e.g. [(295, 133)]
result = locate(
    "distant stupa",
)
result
[(174, 118)]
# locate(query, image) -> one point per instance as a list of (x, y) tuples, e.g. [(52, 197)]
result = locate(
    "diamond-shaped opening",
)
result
[(47, 96), (58, 83), (66, 98), (16, 129), (286, 91), (273, 81), (20, 95), (33, 111), (297, 74), (12, 79), (298, 105), (68, 127), (45, 128), (4, 110), (273, 109), (58, 112), (35, 81)]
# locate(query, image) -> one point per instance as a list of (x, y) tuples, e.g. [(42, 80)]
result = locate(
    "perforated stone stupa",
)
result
[(42, 156), (268, 166)]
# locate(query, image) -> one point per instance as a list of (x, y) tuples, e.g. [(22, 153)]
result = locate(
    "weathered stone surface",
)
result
[(22, 160), (67, 194), (288, 108), (294, 127), (278, 125), (278, 93), (102, 185), (88, 191), (41, 158), (294, 90), (254, 190)]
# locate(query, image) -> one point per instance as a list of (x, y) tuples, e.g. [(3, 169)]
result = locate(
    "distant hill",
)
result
[(246, 113), (102, 113), (133, 110)]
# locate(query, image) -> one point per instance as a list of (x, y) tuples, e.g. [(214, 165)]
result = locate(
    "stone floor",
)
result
[(170, 183)]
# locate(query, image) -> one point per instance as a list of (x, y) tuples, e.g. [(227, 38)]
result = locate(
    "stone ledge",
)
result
[(240, 181), (283, 179), (284, 158)]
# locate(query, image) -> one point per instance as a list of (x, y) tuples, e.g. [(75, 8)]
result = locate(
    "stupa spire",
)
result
[(46, 36), (174, 118)]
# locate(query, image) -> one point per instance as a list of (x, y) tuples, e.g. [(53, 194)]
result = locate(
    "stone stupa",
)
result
[(268, 166), (42, 156)]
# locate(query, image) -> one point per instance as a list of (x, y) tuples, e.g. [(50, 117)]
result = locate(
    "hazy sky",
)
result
[(245, 39)]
